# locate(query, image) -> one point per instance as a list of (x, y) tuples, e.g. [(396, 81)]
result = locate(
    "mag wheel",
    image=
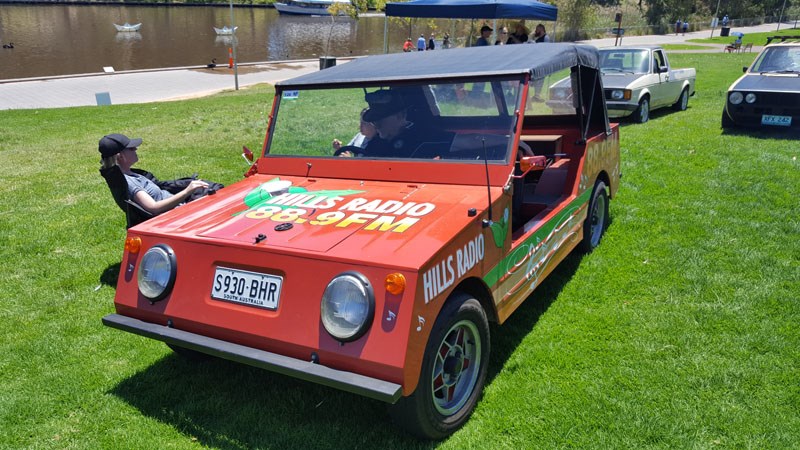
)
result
[(597, 217), (453, 372), (642, 113), (683, 101)]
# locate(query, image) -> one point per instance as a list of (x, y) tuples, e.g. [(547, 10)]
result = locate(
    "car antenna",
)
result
[(487, 222)]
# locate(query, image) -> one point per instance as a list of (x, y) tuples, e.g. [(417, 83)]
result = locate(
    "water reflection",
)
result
[(58, 39), (299, 35), (128, 36), (225, 40)]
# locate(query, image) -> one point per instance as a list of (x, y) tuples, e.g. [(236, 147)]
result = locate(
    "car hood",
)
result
[(390, 223), (767, 82), (619, 80)]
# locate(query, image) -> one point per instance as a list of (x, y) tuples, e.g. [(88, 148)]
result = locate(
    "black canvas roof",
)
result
[(539, 60)]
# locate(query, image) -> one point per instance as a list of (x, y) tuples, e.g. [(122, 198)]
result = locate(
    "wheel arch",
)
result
[(688, 86), (603, 176), (642, 94), (478, 289)]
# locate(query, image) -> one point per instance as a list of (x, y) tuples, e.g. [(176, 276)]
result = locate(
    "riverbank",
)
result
[(260, 4), (143, 86)]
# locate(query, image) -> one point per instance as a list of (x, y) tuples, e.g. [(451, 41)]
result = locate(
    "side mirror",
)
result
[(247, 154), (744, 69), (248, 158), (528, 163)]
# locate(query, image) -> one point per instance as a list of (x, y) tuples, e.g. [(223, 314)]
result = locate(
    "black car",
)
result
[(768, 94)]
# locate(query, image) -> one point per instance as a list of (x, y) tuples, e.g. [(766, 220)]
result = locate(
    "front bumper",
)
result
[(304, 370), (751, 117), (785, 104), (620, 109)]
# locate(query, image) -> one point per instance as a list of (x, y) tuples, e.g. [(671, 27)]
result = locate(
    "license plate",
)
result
[(246, 288), (781, 121)]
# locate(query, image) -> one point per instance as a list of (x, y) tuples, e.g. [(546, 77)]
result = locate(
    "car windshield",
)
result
[(626, 61), (778, 59), (431, 121)]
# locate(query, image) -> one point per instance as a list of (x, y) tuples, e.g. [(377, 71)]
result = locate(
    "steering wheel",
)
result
[(357, 151)]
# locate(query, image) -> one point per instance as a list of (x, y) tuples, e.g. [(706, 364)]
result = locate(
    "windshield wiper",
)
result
[(615, 69), (781, 71)]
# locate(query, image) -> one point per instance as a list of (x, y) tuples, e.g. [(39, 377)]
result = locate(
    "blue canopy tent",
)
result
[(471, 9), (474, 9)]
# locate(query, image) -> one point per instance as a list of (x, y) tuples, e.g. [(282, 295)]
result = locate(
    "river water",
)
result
[(72, 39)]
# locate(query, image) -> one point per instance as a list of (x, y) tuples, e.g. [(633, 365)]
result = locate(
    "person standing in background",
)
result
[(446, 41), (540, 34), (431, 43), (502, 36), (486, 33), (421, 43), (520, 34)]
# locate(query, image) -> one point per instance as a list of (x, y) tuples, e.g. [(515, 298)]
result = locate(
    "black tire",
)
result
[(189, 354), (726, 121), (642, 113), (683, 101), (449, 385), (596, 218)]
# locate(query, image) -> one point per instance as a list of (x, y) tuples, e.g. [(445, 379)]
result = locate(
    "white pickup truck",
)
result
[(636, 80)]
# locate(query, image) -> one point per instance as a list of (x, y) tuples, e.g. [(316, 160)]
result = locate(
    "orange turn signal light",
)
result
[(395, 283), (133, 244)]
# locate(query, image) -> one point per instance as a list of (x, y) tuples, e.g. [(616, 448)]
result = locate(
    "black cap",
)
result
[(111, 144), (382, 103), (486, 28)]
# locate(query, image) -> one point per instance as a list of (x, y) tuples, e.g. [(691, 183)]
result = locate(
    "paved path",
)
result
[(170, 84), (142, 86), (680, 38)]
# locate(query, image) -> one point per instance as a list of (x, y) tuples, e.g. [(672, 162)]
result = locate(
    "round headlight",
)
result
[(617, 95), (735, 98), (348, 306), (750, 98), (157, 272)]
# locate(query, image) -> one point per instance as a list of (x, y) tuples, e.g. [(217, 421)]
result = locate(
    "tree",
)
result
[(574, 15)]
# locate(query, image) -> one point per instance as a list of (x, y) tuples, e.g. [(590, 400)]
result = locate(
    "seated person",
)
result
[(366, 133), (736, 44), (398, 136), (118, 149)]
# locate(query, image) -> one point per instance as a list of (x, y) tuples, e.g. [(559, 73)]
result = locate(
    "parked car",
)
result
[(379, 274), (768, 94), (636, 81)]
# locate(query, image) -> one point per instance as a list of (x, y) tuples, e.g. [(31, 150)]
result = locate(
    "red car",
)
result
[(379, 273)]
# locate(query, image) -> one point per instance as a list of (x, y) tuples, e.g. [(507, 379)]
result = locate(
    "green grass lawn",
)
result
[(750, 38), (679, 331), (686, 47)]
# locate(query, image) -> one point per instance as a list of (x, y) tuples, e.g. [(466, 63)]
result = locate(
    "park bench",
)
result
[(734, 48)]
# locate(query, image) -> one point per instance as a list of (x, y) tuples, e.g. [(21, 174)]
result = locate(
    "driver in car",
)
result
[(400, 137), (366, 132)]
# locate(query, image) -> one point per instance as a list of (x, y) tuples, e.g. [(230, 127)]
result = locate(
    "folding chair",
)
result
[(118, 185)]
